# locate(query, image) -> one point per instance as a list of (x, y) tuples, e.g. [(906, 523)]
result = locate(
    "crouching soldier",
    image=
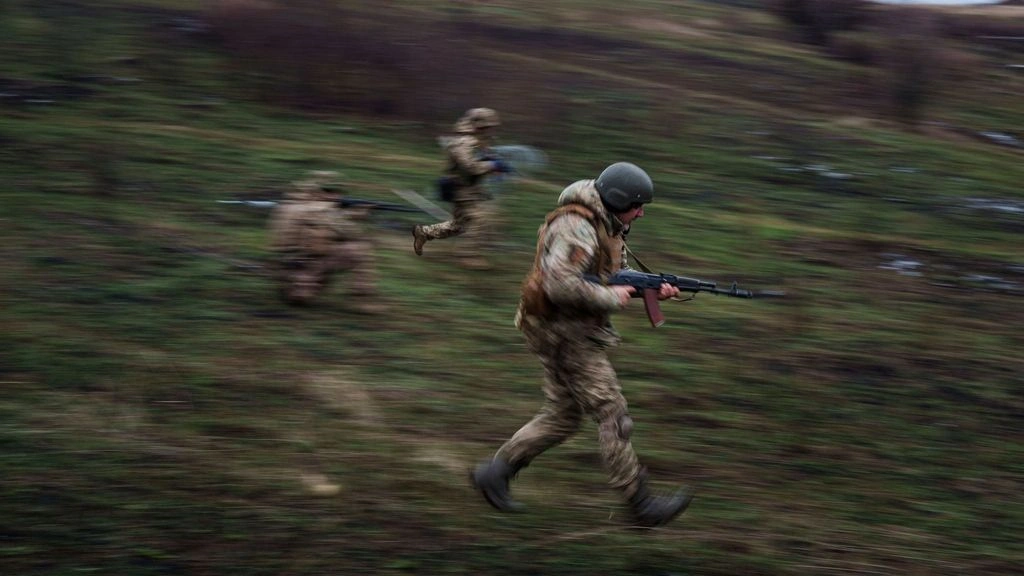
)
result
[(313, 237)]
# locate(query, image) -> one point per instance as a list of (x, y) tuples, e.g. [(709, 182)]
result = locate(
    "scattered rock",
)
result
[(1003, 206), (319, 485), (902, 265), (1002, 139), (948, 275)]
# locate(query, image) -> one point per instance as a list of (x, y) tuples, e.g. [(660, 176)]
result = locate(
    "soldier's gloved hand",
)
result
[(501, 166)]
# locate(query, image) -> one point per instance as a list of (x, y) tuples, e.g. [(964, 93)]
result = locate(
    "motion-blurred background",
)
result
[(163, 413)]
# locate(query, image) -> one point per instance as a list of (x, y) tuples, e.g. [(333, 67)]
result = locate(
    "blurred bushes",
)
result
[(913, 51), (323, 56), (818, 20), (988, 30), (913, 67), (319, 55), (426, 65)]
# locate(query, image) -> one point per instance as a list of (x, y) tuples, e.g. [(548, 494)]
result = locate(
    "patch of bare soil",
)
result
[(653, 25), (994, 11)]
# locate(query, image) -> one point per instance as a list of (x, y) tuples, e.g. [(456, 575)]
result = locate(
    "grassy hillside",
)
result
[(164, 414)]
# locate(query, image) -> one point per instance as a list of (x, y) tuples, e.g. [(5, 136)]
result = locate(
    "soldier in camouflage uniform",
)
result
[(469, 161), (313, 238), (566, 321)]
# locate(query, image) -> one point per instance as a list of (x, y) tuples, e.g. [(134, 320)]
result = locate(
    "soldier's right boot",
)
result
[(491, 480), (418, 239), (649, 510)]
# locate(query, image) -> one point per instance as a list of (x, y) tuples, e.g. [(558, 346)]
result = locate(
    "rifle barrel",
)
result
[(356, 202)]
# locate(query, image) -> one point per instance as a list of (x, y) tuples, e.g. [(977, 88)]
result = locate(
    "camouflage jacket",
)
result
[(307, 226), (467, 165), (579, 237)]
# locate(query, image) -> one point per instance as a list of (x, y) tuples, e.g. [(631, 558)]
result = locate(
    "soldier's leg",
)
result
[(558, 419), (592, 380), (596, 386), (476, 231), (461, 214), (317, 274), (355, 259), (300, 285)]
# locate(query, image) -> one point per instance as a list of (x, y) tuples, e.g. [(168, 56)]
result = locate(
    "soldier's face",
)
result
[(632, 214)]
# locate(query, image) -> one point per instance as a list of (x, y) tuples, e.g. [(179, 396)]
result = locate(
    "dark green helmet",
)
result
[(622, 185)]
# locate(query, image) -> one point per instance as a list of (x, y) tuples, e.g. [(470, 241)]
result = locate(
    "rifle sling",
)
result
[(637, 259)]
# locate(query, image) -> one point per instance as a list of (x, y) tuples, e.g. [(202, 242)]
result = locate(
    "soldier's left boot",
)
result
[(491, 480), (418, 239), (649, 510)]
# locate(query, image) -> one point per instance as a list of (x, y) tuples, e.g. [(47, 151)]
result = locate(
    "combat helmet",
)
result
[(476, 118), (318, 184), (622, 185)]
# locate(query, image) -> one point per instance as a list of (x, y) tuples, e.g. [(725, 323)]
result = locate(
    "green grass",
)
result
[(162, 409)]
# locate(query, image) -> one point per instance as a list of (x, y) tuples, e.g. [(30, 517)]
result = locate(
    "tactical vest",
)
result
[(304, 228), (534, 301)]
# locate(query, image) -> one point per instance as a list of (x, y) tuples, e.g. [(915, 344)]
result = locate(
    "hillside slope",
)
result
[(164, 414)]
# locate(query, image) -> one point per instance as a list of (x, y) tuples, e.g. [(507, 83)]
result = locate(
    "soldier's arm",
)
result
[(357, 212), (342, 227), (465, 153), (570, 248)]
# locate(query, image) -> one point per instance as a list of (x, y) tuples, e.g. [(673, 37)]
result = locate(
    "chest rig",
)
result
[(534, 301)]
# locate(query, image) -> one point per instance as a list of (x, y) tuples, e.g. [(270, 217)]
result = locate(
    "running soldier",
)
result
[(565, 319), (468, 162)]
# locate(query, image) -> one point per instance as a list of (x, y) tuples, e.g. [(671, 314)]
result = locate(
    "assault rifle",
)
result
[(448, 184), (389, 206), (519, 160), (648, 285), (344, 203)]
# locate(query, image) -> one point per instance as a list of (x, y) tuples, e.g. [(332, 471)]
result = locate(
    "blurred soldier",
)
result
[(469, 161), (312, 237), (566, 321)]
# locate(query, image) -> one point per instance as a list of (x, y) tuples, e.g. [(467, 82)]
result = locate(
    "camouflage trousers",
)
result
[(469, 218), (579, 380), (303, 278)]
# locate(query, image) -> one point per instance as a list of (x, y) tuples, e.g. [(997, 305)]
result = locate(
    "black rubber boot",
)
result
[(418, 240), (649, 510), (491, 479)]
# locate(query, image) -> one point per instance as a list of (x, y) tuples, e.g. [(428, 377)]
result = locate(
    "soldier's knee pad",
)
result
[(620, 423), (625, 426)]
